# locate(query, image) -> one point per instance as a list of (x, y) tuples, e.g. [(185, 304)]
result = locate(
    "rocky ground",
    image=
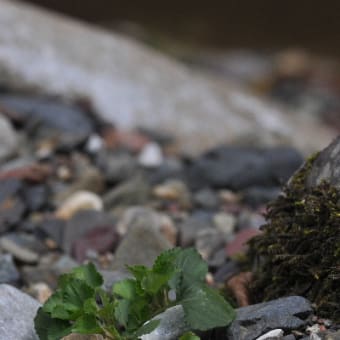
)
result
[(194, 159), (78, 189)]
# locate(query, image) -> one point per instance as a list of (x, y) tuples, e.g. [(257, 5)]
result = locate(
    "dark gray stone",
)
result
[(8, 271), (17, 314), (286, 313), (326, 166), (53, 114), (256, 196), (197, 222), (36, 197), (206, 199), (237, 168), (116, 167)]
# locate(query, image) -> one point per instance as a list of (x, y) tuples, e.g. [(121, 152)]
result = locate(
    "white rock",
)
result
[(225, 223), (8, 139), (131, 85), (94, 143), (151, 156), (80, 200), (17, 314), (274, 334)]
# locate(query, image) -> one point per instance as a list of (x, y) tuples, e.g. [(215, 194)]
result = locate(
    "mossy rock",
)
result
[(299, 250)]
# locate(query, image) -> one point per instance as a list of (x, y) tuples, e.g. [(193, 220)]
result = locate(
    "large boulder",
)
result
[(131, 85)]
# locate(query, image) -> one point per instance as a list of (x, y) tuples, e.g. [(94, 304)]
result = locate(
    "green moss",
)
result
[(299, 250)]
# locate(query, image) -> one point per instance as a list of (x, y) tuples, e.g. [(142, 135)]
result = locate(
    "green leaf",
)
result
[(87, 324), (147, 328), (138, 271), (122, 310), (153, 282), (165, 262), (67, 303), (189, 336), (89, 274), (204, 308), (192, 266), (48, 328), (125, 289)]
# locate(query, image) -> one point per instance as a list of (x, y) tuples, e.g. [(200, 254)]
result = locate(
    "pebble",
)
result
[(17, 313), (225, 223), (238, 245), (8, 270), (206, 199), (208, 241), (80, 200), (141, 245), (40, 291), (275, 334), (174, 190), (13, 246), (9, 140), (151, 156)]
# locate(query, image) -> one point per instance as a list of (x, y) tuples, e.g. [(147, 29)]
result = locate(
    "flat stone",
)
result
[(14, 245), (138, 87), (17, 314), (287, 313), (275, 334)]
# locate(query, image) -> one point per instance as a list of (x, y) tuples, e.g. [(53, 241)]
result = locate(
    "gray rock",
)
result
[(116, 167), (8, 139), (206, 198), (111, 277), (171, 327), (208, 241), (238, 168), (286, 313), (17, 314), (326, 166), (130, 192), (189, 229), (50, 114), (131, 85), (141, 245), (8, 271)]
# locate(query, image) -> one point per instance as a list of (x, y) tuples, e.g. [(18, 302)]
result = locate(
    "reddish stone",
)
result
[(32, 173), (132, 140), (238, 244), (101, 239)]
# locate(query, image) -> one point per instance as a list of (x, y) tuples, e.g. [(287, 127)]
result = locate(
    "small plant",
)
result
[(177, 277)]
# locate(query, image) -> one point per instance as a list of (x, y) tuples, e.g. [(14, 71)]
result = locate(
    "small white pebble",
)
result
[(273, 334)]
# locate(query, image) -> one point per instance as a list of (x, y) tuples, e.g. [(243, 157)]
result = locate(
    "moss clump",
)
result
[(299, 250)]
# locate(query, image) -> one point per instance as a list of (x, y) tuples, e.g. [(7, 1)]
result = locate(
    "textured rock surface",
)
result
[(17, 314), (172, 325), (327, 166), (253, 321), (143, 87), (8, 139)]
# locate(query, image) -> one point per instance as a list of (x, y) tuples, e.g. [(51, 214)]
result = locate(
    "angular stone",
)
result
[(8, 271), (287, 313), (171, 327), (326, 166), (17, 314)]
